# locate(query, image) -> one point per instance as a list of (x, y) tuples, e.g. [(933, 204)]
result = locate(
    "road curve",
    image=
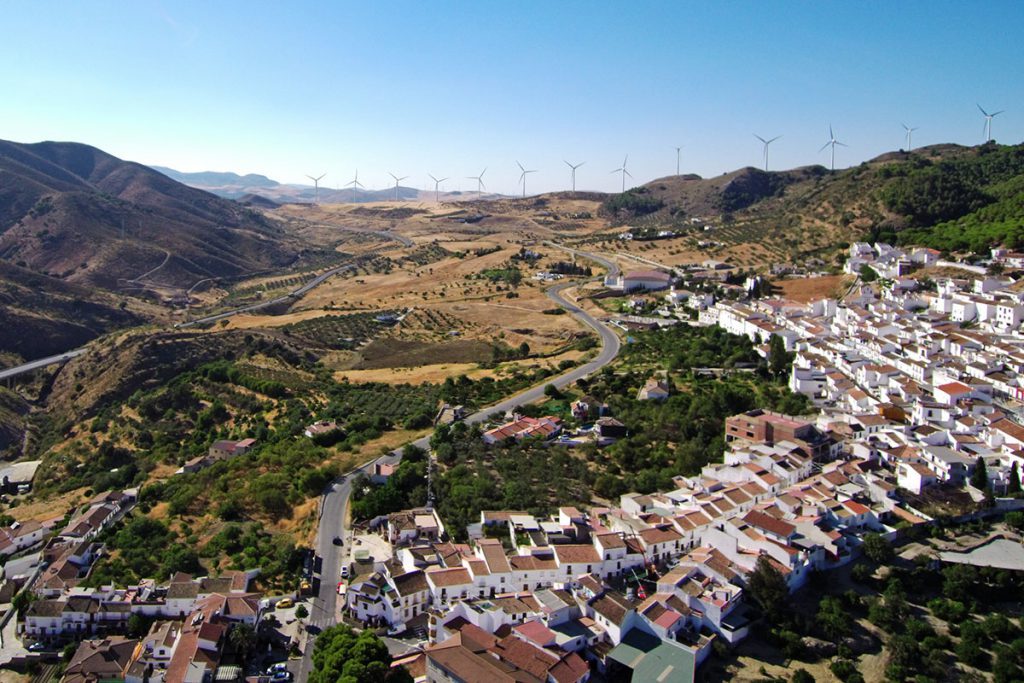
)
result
[(334, 504)]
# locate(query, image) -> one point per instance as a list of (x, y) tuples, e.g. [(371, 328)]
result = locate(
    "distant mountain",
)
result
[(76, 213), (243, 187), (206, 179)]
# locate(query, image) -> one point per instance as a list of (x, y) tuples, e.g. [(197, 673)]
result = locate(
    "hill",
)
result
[(76, 213), (217, 178), (42, 316), (242, 188), (946, 196)]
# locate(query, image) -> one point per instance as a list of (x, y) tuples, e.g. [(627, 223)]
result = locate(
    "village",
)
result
[(914, 383)]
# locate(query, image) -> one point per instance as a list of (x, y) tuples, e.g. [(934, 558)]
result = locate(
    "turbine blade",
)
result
[(760, 138), (627, 173), (998, 113), (824, 146), (773, 139), (841, 144), (567, 163), (982, 110)]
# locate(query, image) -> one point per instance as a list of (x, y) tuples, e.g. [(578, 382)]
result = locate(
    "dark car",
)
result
[(337, 540)]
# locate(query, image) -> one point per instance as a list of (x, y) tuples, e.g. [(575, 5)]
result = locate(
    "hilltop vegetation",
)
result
[(949, 197)]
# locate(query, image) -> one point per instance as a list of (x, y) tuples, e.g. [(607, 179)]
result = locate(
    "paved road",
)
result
[(334, 504), (41, 363), (294, 294)]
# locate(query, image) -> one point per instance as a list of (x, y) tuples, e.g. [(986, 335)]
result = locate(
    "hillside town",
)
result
[(915, 386)]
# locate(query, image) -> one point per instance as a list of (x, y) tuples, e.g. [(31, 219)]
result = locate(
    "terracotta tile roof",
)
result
[(446, 578)]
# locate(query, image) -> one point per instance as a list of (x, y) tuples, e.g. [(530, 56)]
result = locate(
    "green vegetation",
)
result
[(340, 331), (342, 656), (968, 203), (928, 622), (632, 203)]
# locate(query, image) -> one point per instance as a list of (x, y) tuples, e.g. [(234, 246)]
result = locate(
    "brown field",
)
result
[(50, 508), (813, 288)]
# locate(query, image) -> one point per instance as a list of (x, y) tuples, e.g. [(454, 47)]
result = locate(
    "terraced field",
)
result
[(342, 332)]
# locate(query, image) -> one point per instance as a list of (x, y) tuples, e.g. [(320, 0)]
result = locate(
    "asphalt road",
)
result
[(334, 504), (294, 294), (41, 363)]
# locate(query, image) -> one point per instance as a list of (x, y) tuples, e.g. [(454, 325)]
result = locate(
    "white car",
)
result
[(344, 571)]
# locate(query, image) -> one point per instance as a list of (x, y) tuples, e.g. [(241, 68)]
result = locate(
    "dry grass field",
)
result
[(806, 289)]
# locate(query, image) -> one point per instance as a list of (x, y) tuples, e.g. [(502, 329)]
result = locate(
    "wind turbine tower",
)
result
[(480, 187), (397, 180), (355, 184), (316, 184), (573, 171), (988, 121), (910, 137), (437, 184), (679, 153), (766, 143), (833, 142), (624, 172), (522, 176)]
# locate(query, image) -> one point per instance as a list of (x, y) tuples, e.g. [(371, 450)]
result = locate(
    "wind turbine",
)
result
[(574, 172), (397, 180), (316, 184), (766, 143), (832, 141), (355, 184), (480, 187), (679, 152), (910, 137), (436, 184), (624, 172), (988, 121), (522, 176)]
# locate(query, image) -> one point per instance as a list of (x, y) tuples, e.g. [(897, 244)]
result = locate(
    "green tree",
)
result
[(301, 612), (979, 478), (877, 549), (833, 618), (867, 273), (1013, 485), (779, 360), (768, 587), (242, 638), (801, 676), (341, 656)]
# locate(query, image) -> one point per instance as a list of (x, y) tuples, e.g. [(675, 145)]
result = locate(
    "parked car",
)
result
[(344, 571), (282, 676), (285, 604), (275, 668), (338, 541)]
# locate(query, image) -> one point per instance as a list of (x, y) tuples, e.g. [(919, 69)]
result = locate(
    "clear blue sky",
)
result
[(289, 88)]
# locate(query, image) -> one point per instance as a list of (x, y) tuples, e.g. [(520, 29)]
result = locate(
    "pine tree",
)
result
[(1013, 486), (979, 479)]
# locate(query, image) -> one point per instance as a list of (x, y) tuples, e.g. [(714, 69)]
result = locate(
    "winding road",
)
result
[(334, 504)]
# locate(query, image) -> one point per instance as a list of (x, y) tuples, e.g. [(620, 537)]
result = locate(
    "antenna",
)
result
[(832, 141), (480, 187), (522, 177), (316, 184), (766, 143), (988, 121), (624, 172), (574, 172), (436, 184), (397, 180), (679, 151), (910, 137)]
